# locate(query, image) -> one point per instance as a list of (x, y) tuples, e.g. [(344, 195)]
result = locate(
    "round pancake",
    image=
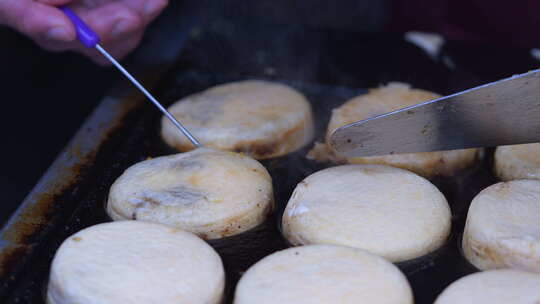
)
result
[(503, 227), (493, 287), (259, 118), (387, 211), (323, 274), (211, 193), (392, 97), (135, 262), (518, 162)]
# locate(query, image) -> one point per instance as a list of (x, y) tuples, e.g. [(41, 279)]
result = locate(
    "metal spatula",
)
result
[(504, 112), (91, 40)]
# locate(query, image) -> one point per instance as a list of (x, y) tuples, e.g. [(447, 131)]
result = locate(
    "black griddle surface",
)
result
[(328, 68), (137, 139)]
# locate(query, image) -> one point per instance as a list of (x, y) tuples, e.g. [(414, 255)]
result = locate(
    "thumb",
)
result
[(38, 20)]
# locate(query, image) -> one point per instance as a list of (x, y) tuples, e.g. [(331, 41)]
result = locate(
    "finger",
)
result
[(147, 9), (121, 31), (119, 49), (111, 21), (93, 3), (54, 2), (38, 20), (56, 46)]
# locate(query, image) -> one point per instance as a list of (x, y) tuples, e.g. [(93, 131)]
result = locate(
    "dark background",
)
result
[(46, 96)]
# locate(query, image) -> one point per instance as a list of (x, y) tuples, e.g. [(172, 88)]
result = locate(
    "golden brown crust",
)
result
[(258, 118), (382, 100), (502, 227), (210, 193)]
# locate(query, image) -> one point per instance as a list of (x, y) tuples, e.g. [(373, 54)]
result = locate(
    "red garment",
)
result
[(499, 22)]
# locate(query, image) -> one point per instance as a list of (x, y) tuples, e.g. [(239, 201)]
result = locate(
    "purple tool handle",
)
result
[(85, 34)]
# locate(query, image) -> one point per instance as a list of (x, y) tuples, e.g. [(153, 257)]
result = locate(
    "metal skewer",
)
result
[(91, 40)]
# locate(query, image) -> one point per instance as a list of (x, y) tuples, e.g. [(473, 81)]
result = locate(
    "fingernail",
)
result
[(120, 28), (58, 33)]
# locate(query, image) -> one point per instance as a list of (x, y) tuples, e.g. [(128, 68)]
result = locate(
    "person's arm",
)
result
[(120, 23)]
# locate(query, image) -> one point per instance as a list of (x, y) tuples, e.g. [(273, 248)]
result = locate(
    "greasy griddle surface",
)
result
[(138, 138)]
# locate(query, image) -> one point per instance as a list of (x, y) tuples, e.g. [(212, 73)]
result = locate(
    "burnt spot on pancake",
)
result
[(371, 171), (144, 203), (137, 207), (185, 195), (178, 195), (191, 163), (261, 150), (150, 201)]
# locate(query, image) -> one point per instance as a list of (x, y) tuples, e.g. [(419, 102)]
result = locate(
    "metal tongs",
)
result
[(503, 112), (90, 39)]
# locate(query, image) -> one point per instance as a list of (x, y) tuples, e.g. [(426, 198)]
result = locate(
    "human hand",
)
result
[(119, 23)]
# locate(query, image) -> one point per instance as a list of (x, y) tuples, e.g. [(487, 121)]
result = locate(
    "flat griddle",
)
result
[(124, 130)]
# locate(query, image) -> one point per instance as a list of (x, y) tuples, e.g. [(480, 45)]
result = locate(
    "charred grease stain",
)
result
[(31, 221), (42, 226)]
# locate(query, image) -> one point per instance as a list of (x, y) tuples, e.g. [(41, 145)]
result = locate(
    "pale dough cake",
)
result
[(133, 262), (385, 99), (323, 274), (502, 286), (518, 162), (387, 211), (211, 193), (503, 227), (259, 118)]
